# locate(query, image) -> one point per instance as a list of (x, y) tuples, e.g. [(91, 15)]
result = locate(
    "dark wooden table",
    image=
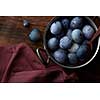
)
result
[(12, 31)]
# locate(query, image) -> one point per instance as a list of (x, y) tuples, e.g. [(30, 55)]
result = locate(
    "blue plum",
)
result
[(82, 52), (72, 58), (69, 32), (76, 22), (88, 31), (26, 23), (56, 28), (74, 47), (65, 23), (62, 34), (60, 56), (34, 35), (85, 42), (77, 35), (65, 42), (53, 43)]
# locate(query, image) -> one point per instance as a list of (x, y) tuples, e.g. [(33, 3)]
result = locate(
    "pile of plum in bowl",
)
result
[(66, 41)]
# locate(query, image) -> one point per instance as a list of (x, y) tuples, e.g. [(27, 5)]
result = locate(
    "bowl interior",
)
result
[(48, 35)]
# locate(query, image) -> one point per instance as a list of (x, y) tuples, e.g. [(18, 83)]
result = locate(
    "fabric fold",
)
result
[(20, 64)]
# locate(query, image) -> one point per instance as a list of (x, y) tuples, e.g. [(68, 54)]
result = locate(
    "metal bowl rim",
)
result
[(70, 67)]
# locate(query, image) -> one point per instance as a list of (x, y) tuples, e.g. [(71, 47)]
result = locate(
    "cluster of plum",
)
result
[(68, 43)]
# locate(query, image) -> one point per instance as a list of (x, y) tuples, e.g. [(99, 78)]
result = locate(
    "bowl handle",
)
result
[(41, 53)]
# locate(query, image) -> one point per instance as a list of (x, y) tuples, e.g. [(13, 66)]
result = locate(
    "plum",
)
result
[(88, 31), (65, 23), (69, 32), (34, 35), (53, 43), (82, 52), (74, 47), (72, 58), (60, 56), (77, 35), (62, 34), (76, 22), (85, 42), (26, 23), (65, 42), (56, 28)]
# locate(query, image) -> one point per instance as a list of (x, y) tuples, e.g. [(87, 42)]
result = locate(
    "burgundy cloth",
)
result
[(18, 63)]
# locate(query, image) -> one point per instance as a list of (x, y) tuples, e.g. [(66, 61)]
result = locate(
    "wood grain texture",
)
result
[(12, 30)]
